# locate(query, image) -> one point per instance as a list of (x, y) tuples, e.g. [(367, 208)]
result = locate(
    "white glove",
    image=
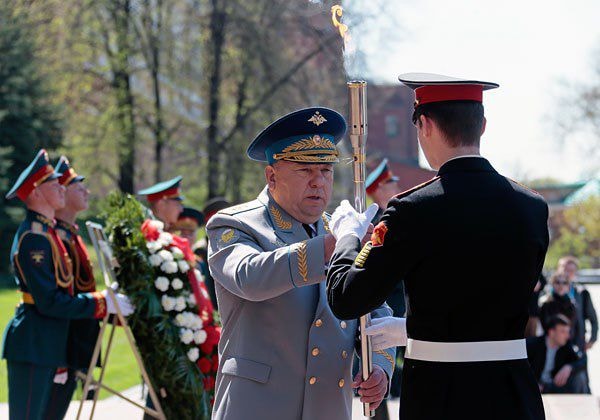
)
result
[(387, 332), (123, 301), (347, 221)]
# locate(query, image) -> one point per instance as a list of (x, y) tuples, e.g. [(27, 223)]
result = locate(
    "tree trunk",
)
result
[(218, 19), (124, 96)]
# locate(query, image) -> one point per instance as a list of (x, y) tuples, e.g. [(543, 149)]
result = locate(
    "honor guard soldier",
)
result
[(35, 341), (469, 246), (83, 333), (284, 355), (187, 225), (381, 185)]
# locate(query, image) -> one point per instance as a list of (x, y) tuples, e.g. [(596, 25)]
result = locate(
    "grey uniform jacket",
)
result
[(283, 354)]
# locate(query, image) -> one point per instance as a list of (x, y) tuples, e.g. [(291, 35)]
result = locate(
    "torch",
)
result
[(357, 114)]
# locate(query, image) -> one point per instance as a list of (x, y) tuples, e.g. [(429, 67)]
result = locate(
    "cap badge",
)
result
[(317, 119)]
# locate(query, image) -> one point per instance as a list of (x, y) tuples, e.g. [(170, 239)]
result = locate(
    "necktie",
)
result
[(310, 230)]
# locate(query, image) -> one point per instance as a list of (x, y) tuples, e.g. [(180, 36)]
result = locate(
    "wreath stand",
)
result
[(106, 263)]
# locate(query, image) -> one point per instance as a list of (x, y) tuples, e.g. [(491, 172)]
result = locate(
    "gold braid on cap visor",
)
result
[(304, 151)]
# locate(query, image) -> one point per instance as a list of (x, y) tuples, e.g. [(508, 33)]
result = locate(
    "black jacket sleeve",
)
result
[(358, 284)]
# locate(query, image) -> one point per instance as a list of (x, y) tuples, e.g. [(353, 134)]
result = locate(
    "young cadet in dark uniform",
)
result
[(469, 246), (83, 333), (35, 341)]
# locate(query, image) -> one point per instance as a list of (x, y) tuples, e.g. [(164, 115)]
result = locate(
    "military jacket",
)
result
[(83, 333), (43, 271), (283, 354), (469, 246)]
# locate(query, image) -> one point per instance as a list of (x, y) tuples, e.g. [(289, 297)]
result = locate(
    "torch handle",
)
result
[(357, 115)]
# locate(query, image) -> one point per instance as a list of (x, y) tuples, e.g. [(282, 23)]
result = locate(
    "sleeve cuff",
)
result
[(100, 305), (307, 261)]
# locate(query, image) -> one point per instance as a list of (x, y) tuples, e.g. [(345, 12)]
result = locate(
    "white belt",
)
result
[(480, 351)]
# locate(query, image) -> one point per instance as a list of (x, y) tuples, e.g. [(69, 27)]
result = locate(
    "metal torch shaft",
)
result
[(357, 114)]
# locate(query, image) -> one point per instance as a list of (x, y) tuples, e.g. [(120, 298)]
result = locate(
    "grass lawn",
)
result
[(121, 373)]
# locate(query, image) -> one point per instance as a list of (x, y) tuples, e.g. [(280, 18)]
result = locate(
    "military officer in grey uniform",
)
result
[(283, 354)]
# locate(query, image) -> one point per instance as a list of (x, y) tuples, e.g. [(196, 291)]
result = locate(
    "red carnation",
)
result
[(150, 230), (204, 365), (215, 362), (207, 348), (209, 383)]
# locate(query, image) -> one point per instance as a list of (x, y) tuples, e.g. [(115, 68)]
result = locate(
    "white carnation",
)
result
[(193, 354), (186, 335), (183, 266), (165, 238), (166, 255), (153, 246), (177, 253), (169, 267), (161, 283), (168, 303), (192, 300), (196, 322), (176, 284), (179, 320), (180, 304), (155, 260), (199, 336), (160, 226)]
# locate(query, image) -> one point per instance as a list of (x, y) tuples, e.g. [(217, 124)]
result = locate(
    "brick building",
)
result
[(392, 135)]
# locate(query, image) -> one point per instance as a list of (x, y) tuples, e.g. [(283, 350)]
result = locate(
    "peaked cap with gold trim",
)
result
[(67, 174), (38, 172), (306, 136)]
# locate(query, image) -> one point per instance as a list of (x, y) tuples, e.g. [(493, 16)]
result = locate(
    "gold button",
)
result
[(344, 354), (341, 383), (312, 380), (318, 323), (343, 324), (315, 351)]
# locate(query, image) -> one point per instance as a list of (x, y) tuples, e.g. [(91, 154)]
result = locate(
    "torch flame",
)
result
[(336, 12)]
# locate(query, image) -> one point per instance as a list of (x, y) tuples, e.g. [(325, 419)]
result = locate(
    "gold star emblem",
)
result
[(37, 257), (317, 119)]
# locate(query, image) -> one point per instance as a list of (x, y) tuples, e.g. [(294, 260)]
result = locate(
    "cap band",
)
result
[(440, 93), (34, 181), (381, 178), (318, 148), (67, 177), (170, 193)]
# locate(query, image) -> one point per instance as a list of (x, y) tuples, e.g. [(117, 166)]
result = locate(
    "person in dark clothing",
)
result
[(584, 308), (583, 304), (466, 354), (558, 301), (534, 308), (556, 365)]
